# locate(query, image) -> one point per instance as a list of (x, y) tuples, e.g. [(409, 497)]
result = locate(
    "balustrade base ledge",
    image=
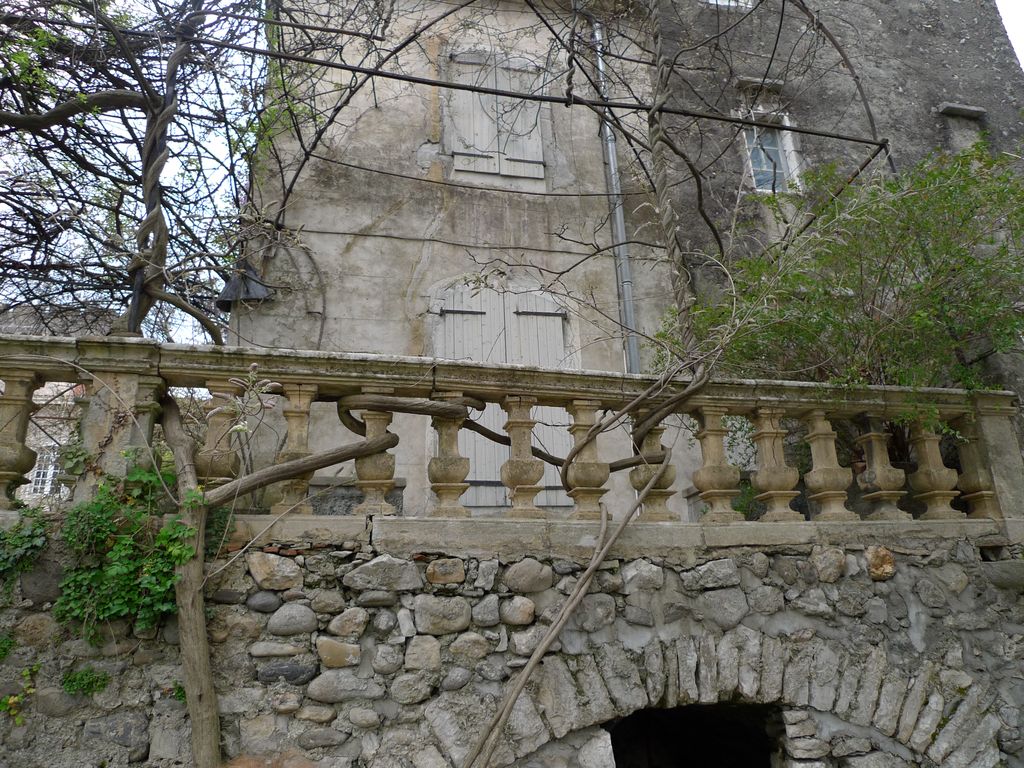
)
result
[(574, 539)]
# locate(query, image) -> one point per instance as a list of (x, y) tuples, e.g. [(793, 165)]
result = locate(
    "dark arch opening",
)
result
[(712, 735)]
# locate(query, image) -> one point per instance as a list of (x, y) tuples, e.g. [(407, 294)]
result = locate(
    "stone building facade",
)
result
[(468, 225)]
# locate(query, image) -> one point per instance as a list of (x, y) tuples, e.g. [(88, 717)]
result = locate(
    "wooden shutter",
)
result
[(536, 336), (473, 116), (528, 329), (473, 328), (521, 149)]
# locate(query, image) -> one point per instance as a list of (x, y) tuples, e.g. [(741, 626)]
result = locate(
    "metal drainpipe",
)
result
[(623, 272)]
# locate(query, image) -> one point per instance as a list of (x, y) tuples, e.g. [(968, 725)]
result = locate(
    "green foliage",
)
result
[(20, 545), (178, 692), (219, 525), (125, 564), (7, 644), (14, 704), (908, 280), (74, 459), (85, 681)]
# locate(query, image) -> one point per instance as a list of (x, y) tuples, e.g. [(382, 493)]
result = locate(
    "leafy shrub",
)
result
[(20, 545), (85, 681), (124, 563), (909, 280)]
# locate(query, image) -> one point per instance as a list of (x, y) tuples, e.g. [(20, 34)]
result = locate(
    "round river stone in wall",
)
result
[(528, 575), (350, 623), (263, 602), (292, 619), (441, 615)]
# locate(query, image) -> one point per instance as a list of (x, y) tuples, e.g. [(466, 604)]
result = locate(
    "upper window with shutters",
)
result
[(492, 134)]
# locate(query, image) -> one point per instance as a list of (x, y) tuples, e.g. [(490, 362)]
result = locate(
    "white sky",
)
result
[(1013, 17)]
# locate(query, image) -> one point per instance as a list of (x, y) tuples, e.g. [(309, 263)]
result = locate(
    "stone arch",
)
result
[(839, 709)]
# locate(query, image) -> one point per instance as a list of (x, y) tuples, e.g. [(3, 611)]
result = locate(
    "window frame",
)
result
[(44, 474), (730, 4), (788, 148), (494, 68)]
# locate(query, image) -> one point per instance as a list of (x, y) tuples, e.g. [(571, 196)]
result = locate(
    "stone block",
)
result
[(385, 573), (471, 645), (724, 607), (337, 685), (292, 619), (273, 571), (334, 653), (423, 652), (713, 575), (441, 615), (528, 576), (829, 563), (350, 623), (686, 679), (642, 576), (446, 570), (518, 611)]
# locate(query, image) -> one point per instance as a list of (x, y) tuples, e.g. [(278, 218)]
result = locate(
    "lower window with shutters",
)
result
[(526, 328)]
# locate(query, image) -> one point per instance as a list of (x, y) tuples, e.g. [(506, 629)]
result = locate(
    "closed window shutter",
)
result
[(521, 149), (528, 329), (473, 328), (474, 118), (536, 336)]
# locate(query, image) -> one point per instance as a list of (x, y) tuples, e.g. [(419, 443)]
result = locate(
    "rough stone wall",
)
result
[(877, 658)]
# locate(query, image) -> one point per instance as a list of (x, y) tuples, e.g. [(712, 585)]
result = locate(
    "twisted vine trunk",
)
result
[(200, 696)]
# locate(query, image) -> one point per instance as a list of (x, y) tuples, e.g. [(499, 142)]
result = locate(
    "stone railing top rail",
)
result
[(337, 374)]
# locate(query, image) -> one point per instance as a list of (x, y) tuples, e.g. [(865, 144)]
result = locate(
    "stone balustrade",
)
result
[(796, 475)]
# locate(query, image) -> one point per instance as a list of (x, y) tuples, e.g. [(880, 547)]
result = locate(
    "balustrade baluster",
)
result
[(773, 478), (292, 494), (521, 473), (588, 473), (975, 480), (881, 482), (218, 462), (827, 481), (448, 470), (933, 482), (16, 408), (376, 474), (717, 480), (655, 509)]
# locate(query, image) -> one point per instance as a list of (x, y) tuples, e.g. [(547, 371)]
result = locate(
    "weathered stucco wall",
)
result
[(341, 654)]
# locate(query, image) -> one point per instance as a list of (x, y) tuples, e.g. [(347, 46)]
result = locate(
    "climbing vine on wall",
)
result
[(20, 545), (125, 555)]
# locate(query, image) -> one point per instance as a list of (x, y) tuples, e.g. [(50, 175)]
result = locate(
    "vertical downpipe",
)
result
[(623, 272)]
